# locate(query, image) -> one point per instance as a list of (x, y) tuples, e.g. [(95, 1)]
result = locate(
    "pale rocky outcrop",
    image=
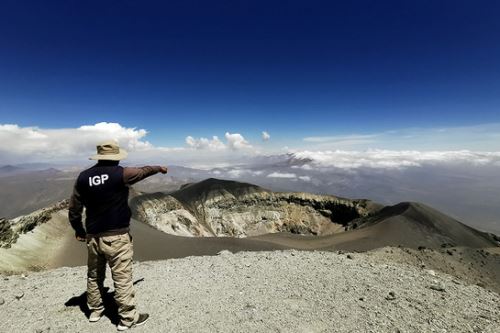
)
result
[(11, 229), (167, 214), (226, 208)]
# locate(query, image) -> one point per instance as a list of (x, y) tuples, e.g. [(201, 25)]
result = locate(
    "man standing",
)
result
[(103, 191)]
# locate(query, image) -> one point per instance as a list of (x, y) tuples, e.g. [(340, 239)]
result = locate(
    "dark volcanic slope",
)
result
[(406, 224), (415, 224), (211, 187), (151, 244)]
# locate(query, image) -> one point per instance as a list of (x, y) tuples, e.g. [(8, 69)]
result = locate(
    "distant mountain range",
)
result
[(24, 190), (8, 170)]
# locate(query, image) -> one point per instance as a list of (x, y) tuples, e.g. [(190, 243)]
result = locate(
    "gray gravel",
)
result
[(282, 291)]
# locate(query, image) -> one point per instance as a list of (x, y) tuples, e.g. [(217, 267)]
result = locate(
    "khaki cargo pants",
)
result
[(117, 251)]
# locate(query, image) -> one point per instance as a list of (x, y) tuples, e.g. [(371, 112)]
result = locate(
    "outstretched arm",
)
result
[(75, 214), (134, 175)]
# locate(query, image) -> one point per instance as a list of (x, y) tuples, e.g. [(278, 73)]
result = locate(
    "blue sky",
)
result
[(297, 69)]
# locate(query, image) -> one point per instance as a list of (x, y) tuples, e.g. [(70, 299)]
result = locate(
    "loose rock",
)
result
[(438, 286), (391, 296)]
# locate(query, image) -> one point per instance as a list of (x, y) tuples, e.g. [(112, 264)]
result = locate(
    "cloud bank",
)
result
[(281, 175), (33, 144), (391, 159), (203, 143), (236, 141), (48, 144)]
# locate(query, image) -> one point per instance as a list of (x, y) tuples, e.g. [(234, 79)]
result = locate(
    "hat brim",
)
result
[(110, 157)]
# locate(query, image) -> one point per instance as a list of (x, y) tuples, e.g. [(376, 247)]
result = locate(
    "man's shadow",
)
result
[(110, 307)]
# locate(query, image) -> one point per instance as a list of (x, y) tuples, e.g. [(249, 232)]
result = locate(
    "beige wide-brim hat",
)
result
[(109, 151)]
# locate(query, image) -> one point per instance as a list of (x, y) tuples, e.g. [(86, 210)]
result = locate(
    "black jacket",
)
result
[(103, 190)]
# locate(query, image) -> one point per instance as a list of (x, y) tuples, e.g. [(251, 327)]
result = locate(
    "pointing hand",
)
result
[(163, 169)]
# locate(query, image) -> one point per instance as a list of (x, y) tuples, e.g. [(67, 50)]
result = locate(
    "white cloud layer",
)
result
[(47, 144), (33, 144), (236, 141), (204, 143), (281, 175), (391, 159)]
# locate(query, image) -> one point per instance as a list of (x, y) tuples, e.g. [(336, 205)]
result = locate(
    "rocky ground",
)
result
[(280, 291), (473, 266)]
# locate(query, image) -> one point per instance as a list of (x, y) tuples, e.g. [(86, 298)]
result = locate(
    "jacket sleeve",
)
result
[(134, 175), (75, 213)]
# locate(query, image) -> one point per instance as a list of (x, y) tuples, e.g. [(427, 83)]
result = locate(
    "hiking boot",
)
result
[(95, 316), (143, 318)]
